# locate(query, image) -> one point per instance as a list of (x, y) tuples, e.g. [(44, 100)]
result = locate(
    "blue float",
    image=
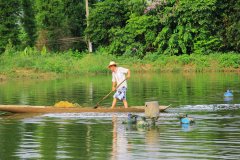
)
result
[(228, 93), (185, 120)]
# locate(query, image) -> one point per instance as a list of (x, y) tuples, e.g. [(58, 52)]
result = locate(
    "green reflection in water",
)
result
[(53, 139), (167, 88), (10, 135), (214, 136)]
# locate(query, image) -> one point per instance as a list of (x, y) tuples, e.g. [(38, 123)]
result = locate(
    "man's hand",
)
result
[(114, 86), (128, 74)]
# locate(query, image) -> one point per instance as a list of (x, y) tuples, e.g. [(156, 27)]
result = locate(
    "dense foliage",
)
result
[(130, 27), (52, 25), (9, 28), (28, 36), (32, 62), (172, 27)]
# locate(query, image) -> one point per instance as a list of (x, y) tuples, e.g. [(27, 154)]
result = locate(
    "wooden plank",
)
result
[(50, 109)]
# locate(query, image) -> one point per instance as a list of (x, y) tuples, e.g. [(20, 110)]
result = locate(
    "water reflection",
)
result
[(228, 99), (43, 138), (66, 136), (186, 127), (10, 135), (177, 89), (120, 144)]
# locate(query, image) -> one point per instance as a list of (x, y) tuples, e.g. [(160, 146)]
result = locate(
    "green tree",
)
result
[(172, 27), (228, 24), (76, 22), (28, 23), (51, 24), (136, 37), (106, 15), (185, 26), (9, 26)]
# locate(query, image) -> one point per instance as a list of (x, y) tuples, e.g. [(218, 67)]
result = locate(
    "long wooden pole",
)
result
[(88, 39), (96, 106)]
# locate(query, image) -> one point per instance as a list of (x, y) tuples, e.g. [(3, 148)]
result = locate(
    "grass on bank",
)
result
[(31, 62)]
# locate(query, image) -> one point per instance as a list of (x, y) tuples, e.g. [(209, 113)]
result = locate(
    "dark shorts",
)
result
[(121, 94)]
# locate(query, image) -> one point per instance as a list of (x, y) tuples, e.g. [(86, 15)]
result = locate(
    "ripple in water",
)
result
[(215, 135), (209, 107)]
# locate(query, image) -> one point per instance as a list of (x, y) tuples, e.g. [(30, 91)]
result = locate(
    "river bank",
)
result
[(33, 64)]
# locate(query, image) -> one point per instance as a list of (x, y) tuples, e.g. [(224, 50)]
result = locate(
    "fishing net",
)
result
[(66, 104)]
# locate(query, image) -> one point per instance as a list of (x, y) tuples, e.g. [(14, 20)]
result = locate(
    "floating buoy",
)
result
[(228, 93), (184, 119)]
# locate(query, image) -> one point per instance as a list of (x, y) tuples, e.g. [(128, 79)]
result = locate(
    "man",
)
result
[(119, 74)]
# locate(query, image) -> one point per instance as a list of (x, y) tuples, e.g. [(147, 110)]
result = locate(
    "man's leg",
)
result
[(125, 103), (114, 102)]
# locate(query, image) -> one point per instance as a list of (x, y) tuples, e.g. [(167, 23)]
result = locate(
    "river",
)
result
[(214, 135)]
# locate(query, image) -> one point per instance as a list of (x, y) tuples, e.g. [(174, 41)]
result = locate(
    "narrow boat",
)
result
[(50, 109)]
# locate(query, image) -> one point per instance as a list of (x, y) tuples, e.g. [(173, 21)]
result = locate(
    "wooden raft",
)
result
[(50, 109)]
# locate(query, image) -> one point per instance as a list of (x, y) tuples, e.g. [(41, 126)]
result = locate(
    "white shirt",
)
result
[(119, 76)]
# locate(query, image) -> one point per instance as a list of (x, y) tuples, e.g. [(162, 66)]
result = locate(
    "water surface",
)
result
[(215, 135), (175, 89)]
